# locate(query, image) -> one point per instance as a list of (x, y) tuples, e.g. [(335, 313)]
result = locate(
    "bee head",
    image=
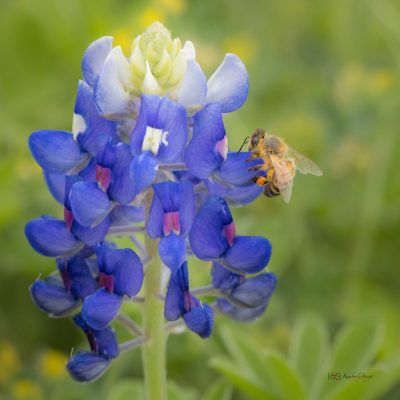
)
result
[(257, 135), (276, 144)]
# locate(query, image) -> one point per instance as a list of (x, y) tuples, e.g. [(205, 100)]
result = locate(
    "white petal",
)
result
[(150, 84)]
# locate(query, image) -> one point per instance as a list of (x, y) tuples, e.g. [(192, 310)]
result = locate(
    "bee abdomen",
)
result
[(270, 190)]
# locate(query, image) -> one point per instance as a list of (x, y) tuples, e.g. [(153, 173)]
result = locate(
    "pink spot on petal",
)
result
[(103, 177), (171, 223), (106, 281), (176, 227), (221, 147), (230, 232), (68, 218)]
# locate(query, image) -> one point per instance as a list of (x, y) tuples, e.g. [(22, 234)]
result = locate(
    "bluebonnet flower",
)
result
[(62, 292), (147, 133), (179, 302), (86, 366), (120, 274), (213, 238), (244, 298), (170, 218)]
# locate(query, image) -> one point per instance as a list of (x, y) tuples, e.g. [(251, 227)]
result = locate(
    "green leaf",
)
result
[(281, 378), (241, 379), (127, 389), (220, 390), (309, 349), (354, 348), (175, 392)]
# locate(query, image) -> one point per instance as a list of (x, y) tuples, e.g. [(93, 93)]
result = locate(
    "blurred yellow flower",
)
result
[(381, 80), (123, 38), (173, 6), (243, 46), (52, 364), (148, 16), (25, 389), (9, 361)]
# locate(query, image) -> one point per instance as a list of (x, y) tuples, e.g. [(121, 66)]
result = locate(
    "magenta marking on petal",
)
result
[(66, 280), (103, 177), (221, 147), (106, 281), (230, 232), (68, 218), (167, 226), (176, 227)]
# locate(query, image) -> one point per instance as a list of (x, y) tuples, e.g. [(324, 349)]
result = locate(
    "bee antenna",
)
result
[(241, 147)]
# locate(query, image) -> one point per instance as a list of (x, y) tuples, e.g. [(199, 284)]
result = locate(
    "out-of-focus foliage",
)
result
[(324, 75)]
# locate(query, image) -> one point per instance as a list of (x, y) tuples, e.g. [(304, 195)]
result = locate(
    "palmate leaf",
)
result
[(354, 348), (309, 351)]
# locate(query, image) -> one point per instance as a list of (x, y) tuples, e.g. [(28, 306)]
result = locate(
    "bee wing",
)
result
[(303, 164), (284, 175)]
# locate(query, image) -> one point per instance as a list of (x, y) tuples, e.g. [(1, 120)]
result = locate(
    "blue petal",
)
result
[(82, 282), (56, 151), (229, 84), (172, 251), (248, 255), (186, 206), (206, 236), (126, 215), (56, 185), (100, 308), (240, 314), (256, 291), (144, 170), (94, 57), (193, 90), (161, 113), (174, 300), (52, 299), (200, 320), (111, 95), (235, 169), (89, 204), (107, 342), (91, 235), (89, 128), (50, 237), (234, 195), (107, 257), (86, 366), (201, 156), (155, 221), (128, 273), (223, 278), (122, 188)]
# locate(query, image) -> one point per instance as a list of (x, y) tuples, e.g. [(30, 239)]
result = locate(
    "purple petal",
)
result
[(100, 308), (240, 314), (52, 299), (89, 204), (172, 251), (128, 273), (234, 195), (143, 171), (126, 215), (56, 185), (223, 278), (82, 282), (89, 128), (248, 255), (201, 155), (56, 151), (229, 84), (186, 206), (107, 342), (50, 237), (91, 235), (94, 57), (86, 366), (155, 222), (200, 320)]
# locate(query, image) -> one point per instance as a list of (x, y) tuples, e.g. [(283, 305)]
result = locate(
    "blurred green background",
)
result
[(325, 76)]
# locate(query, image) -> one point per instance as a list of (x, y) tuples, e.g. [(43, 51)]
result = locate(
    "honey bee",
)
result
[(280, 163)]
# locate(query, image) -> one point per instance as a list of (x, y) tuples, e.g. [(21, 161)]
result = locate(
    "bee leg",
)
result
[(256, 168), (260, 180)]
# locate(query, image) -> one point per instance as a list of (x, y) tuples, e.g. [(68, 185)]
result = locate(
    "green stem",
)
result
[(154, 351)]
